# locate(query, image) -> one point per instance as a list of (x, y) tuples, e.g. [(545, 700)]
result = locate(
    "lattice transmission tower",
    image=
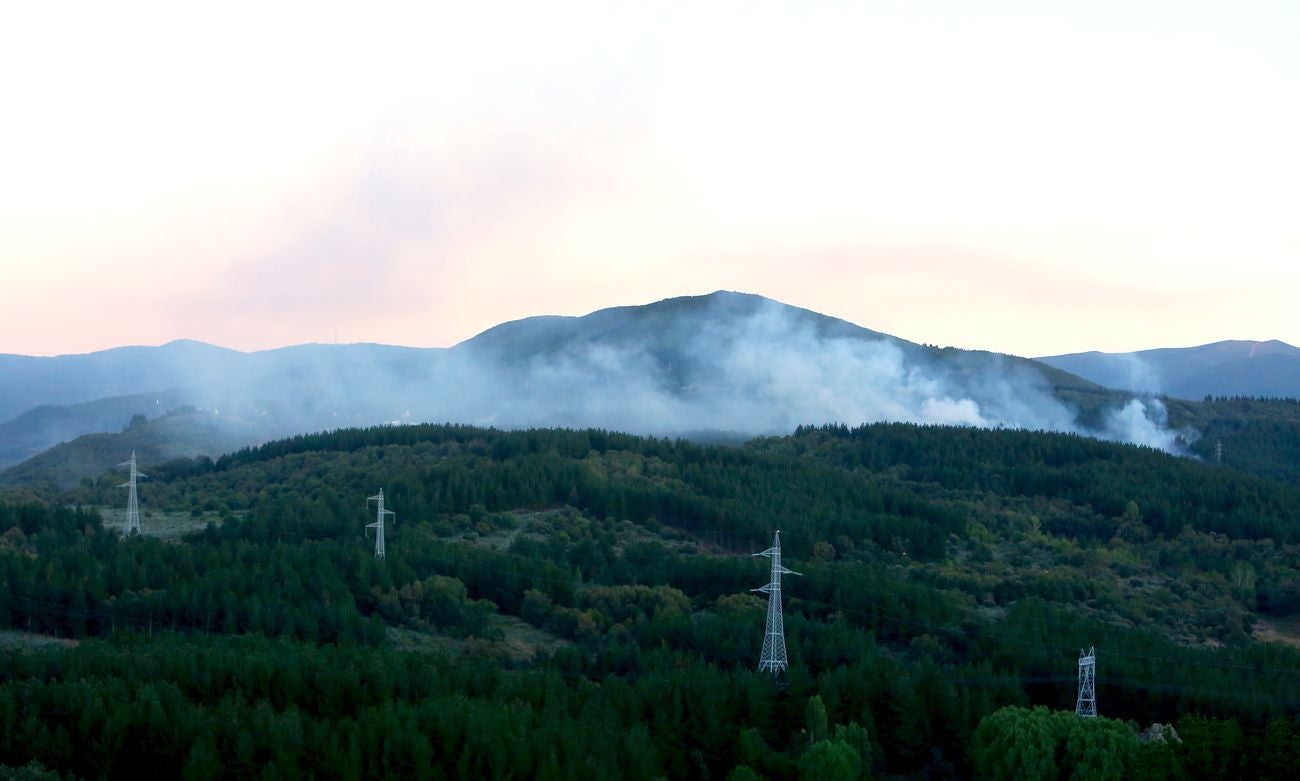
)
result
[(1086, 705), (132, 499), (773, 658), (378, 525)]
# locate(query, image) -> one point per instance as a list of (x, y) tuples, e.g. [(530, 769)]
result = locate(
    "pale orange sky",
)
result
[(1118, 176)]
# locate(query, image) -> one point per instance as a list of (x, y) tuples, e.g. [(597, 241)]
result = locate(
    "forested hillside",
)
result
[(692, 366), (576, 604), (1259, 436)]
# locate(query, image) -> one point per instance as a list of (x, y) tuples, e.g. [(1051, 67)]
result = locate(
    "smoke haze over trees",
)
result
[(726, 362)]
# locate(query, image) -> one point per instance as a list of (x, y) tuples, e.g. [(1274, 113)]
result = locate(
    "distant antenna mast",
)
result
[(132, 499), (1086, 705), (773, 658), (378, 525), (1218, 451)]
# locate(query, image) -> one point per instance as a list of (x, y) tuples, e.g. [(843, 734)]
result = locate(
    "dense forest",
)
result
[(1254, 435), (578, 604)]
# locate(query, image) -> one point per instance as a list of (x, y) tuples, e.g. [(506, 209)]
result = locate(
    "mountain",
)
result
[(720, 365), (1231, 368), (742, 362), (662, 328), (27, 382), (276, 392), (184, 432), (39, 429)]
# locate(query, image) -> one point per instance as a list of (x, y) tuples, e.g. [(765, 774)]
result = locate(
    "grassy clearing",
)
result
[(1279, 630), (570, 523), (13, 639), (519, 642), (163, 525), (500, 539)]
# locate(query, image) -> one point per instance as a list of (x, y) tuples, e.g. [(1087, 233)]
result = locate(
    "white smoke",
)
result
[(726, 363), (1135, 374), (1146, 422), (765, 373)]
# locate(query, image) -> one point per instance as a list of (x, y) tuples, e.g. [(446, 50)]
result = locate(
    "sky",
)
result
[(1032, 178)]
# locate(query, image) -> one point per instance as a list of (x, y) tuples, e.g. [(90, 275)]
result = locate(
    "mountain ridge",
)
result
[(723, 361), (1234, 367)]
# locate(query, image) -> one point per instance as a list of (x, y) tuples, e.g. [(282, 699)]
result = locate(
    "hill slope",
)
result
[(592, 591), (272, 393), (27, 382), (185, 432), (745, 363), (211, 372), (39, 429), (725, 362)]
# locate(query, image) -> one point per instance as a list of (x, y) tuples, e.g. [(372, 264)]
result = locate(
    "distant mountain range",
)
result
[(724, 364), (1231, 368), (272, 393)]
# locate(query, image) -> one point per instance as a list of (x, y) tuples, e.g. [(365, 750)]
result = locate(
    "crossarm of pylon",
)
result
[(137, 474), (769, 552), (785, 571), (765, 589)]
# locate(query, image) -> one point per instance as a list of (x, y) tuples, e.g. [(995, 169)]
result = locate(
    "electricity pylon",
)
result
[(132, 499), (773, 658), (378, 525), (1086, 705)]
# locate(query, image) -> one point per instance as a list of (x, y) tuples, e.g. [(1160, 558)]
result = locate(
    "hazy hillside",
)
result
[(1250, 435), (269, 393), (662, 328), (39, 429), (205, 372), (184, 432), (1230, 368), (744, 363), (28, 382), (671, 332), (696, 366)]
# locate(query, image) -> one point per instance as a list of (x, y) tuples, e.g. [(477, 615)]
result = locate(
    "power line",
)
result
[(979, 633), (986, 632), (140, 624)]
